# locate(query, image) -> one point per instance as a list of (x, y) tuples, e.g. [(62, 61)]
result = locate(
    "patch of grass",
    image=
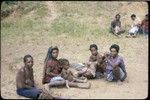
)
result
[(21, 30), (5, 6), (41, 11), (67, 25)]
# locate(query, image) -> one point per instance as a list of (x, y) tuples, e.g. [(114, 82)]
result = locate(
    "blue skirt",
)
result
[(28, 92)]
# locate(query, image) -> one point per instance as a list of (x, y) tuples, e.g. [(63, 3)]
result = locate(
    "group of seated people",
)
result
[(137, 26), (60, 72)]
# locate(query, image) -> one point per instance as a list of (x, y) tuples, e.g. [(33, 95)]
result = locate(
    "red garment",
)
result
[(144, 24), (54, 68)]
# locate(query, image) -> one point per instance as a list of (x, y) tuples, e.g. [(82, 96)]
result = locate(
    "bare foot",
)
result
[(85, 80), (67, 84)]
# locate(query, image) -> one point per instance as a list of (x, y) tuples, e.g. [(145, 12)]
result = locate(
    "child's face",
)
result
[(29, 62), (55, 53), (66, 66), (117, 17), (93, 51), (113, 52)]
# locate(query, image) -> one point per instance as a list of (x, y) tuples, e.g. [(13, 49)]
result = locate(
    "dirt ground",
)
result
[(75, 49), (134, 51)]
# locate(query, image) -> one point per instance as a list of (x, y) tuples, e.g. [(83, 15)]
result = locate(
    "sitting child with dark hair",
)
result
[(69, 73), (95, 65)]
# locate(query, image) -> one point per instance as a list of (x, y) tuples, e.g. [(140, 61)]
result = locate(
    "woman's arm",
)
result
[(114, 64), (49, 72)]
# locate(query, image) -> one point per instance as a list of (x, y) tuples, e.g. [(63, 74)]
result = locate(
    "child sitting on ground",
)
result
[(95, 65), (69, 73)]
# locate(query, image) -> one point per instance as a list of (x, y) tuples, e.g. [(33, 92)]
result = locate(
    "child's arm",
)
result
[(91, 59), (99, 59), (64, 74)]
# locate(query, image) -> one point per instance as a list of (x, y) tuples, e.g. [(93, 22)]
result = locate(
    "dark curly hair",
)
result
[(93, 46), (27, 56), (63, 61), (117, 15), (115, 46), (133, 15)]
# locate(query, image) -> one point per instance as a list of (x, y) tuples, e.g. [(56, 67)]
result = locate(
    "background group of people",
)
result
[(60, 72), (137, 26)]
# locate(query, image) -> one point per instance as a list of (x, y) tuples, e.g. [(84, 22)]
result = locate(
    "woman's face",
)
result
[(55, 53)]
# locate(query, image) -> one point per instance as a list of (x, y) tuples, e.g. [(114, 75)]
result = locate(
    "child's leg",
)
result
[(116, 73), (109, 75), (79, 85), (57, 83), (122, 75), (80, 80), (83, 71), (84, 85), (88, 75)]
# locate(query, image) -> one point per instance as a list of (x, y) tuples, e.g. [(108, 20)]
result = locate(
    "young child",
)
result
[(25, 82), (115, 68), (69, 73), (96, 65)]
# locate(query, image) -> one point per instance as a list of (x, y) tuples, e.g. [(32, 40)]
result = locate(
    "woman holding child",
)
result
[(52, 71)]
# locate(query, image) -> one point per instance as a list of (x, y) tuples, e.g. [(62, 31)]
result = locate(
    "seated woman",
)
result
[(52, 70), (115, 68)]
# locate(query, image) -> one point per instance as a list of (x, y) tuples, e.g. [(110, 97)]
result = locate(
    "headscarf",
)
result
[(49, 55)]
